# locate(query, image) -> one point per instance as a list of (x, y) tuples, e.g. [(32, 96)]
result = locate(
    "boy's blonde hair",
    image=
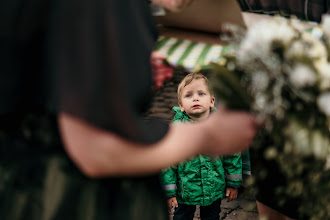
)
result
[(188, 79)]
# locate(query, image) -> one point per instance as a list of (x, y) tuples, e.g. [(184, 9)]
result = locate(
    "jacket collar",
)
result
[(182, 116)]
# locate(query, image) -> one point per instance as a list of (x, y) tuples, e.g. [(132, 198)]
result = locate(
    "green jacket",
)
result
[(201, 180)]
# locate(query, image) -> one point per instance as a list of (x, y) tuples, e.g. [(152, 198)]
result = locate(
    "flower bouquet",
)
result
[(280, 72)]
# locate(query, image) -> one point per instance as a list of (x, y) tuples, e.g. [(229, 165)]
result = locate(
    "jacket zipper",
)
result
[(182, 187)]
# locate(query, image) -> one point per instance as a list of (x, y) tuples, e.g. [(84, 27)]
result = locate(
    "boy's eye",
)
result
[(201, 93), (187, 96)]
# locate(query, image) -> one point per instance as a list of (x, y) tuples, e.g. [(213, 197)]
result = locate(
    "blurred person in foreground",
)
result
[(75, 77)]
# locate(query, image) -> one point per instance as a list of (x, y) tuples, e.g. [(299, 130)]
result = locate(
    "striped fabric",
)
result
[(189, 55), (233, 176), (195, 56)]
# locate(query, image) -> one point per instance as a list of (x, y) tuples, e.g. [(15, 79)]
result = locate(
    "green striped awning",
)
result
[(190, 55)]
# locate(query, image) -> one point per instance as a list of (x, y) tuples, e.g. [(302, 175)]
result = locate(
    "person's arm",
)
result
[(173, 5), (100, 153)]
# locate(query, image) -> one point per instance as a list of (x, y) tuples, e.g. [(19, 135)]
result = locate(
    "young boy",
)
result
[(201, 180)]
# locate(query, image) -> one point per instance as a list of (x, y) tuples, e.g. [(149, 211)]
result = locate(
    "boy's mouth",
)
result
[(195, 106)]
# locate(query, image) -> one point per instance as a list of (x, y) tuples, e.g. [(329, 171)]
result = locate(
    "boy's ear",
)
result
[(181, 107), (212, 102)]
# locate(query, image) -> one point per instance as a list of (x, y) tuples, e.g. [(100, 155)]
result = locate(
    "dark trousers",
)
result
[(186, 212)]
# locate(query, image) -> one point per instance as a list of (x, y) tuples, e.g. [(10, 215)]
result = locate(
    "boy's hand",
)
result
[(231, 193), (169, 204)]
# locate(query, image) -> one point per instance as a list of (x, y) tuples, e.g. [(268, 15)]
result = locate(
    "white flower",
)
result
[(298, 136), (271, 153), (260, 102), (259, 39), (325, 24), (295, 51), (302, 76), (323, 68), (320, 144), (315, 48), (308, 47), (281, 30), (327, 164), (323, 102), (306, 141), (297, 24), (317, 32), (260, 81)]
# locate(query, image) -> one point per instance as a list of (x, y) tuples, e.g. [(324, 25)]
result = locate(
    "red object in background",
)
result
[(160, 71)]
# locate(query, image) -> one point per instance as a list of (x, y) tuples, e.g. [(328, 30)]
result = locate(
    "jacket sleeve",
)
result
[(169, 181), (232, 165)]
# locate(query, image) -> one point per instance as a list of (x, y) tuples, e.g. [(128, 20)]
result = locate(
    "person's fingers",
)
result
[(170, 203), (233, 194), (175, 202), (227, 192), (169, 206), (231, 197)]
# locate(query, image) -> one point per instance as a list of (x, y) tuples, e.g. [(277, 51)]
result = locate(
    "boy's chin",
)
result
[(196, 113)]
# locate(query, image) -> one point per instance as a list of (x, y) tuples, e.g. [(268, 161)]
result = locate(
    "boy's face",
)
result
[(196, 99)]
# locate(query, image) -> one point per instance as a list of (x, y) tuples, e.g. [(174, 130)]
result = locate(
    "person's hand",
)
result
[(169, 204), (160, 71), (228, 131), (231, 193), (173, 5)]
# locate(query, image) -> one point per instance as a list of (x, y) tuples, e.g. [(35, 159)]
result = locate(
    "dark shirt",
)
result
[(86, 58), (310, 10)]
